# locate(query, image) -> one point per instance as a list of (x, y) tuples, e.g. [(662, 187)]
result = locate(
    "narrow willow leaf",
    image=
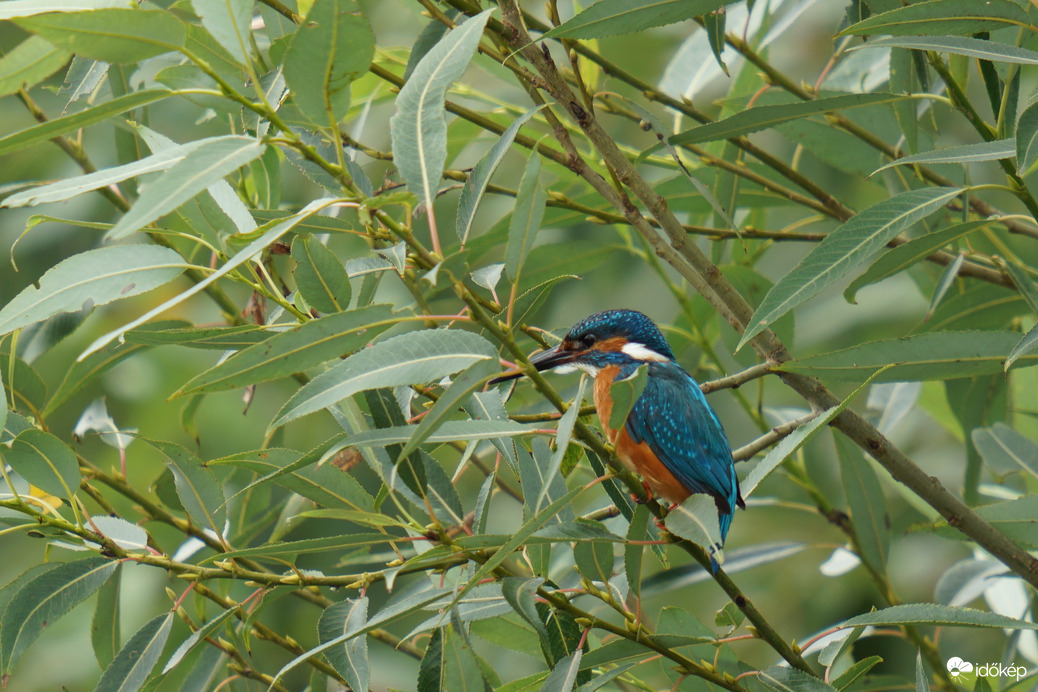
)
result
[(638, 530), (615, 17), (418, 128), (333, 47), (115, 35), (526, 217), (271, 232), (123, 533), (389, 613), (351, 658), (131, 667), (935, 356), (1005, 450), (968, 153), (921, 683), (594, 560), (92, 278), (105, 633), (958, 45), (787, 446), (70, 187), (904, 256), (563, 674), (179, 333), (624, 393), (308, 546), (197, 486), (763, 117), (942, 17), (1022, 348), (1023, 283), (464, 384), (12, 9), (228, 22), (45, 461), (935, 614), (197, 637), (198, 170), (406, 359), (785, 679), (948, 276), (843, 250), (695, 519), (31, 61), (903, 80), (295, 350), (84, 118), (41, 602), (867, 505), (476, 184), (450, 431), (563, 435), (520, 592), (320, 277)]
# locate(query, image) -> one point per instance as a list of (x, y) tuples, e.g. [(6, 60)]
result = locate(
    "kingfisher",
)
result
[(671, 438)]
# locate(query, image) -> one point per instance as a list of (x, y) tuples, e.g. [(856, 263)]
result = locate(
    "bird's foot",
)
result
[(648, 494)]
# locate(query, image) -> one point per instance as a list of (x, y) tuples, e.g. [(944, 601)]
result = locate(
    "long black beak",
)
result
[(545, 360)]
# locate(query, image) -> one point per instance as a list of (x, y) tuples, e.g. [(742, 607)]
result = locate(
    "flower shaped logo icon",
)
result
[(957, 667)]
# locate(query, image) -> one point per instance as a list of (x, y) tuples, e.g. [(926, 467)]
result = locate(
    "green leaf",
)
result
[(519, 592), (270, 232), (84, 118), (45, 461), (42, 601), (197, 486), (308, 546), (867, 505), (851, 675), (188, 177), (1023, 347), (563, 435), (935, 614), (787, 446), (31, 61), (234, 338), (615, 17), (1005, 450), (115, 35), (82, 373), (936, 356), (228, 22), (94, 277), (763, 117), (594, 560), (624, 394), (418, 128), (70, 187), (450, 431), (904, 256), (634, 554), (333, 47), (10, 9), (1017, 519), (476, 183), (350, 659), (295, 350), (563, 674), (131, 667), (406, 359), (942, 17), (695, 520), (968, 153), (959, 45), (320, 277), (843, 250), (464, 384), (197, 637), (786, 679), (104, 626)]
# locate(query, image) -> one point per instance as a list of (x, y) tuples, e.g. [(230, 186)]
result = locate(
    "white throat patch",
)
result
[(643, 353)]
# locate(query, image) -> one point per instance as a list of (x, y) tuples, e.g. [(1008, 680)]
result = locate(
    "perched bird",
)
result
[(672, 438)]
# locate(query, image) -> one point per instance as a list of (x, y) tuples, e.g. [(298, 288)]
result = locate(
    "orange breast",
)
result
[(638, 457)]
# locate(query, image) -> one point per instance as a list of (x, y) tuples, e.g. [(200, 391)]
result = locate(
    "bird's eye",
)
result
[(588, 340)]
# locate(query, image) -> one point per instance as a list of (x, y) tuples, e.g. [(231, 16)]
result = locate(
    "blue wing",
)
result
[(674, 419)]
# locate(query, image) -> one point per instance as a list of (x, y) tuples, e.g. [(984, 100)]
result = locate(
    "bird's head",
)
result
[(613, 337)]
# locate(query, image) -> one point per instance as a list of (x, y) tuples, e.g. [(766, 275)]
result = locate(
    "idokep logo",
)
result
[(965, 672)]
